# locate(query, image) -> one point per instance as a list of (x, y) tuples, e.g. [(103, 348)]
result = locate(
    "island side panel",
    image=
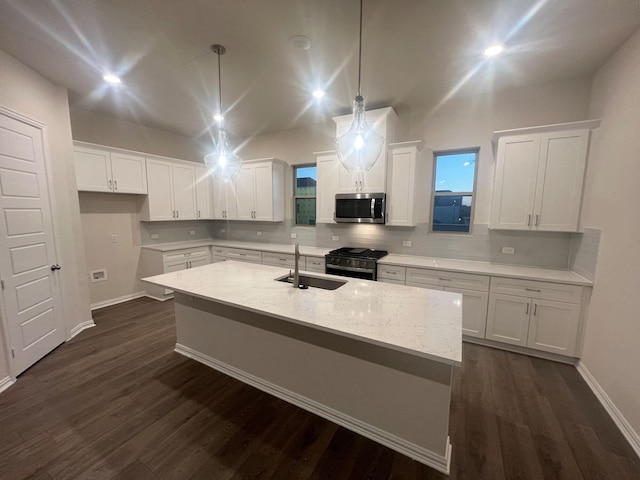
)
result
[(400, 402)]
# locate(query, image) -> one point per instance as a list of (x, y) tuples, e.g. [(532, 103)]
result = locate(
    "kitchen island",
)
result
[(372, 357)]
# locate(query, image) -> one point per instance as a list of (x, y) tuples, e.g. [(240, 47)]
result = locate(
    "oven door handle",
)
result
[(349, 269), (373, 208)]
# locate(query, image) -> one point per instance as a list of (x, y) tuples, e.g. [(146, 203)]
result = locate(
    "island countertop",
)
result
[(420, 322)]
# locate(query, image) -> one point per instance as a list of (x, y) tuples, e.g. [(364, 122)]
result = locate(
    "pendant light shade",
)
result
[(359, 148), (222, 163)]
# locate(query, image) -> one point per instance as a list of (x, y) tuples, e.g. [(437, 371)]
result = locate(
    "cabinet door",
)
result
[(560, 179), (554, 326), (204, 194), (244, 193), (327, 169), (160, 190), (184, 180), (401, 182), (93, 169), (515, 182), (348, 182), (474, 311), (129, 173), (198, 263), (508, 319), (224, 199), (263, 192)]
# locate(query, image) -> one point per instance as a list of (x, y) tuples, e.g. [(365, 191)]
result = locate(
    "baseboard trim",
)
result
[(616, 415), (80, 327), (6, 382), (163, 299), (438, 462), (522, 350), (115, 301)]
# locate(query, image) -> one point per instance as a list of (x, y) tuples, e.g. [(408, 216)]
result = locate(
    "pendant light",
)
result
[(359, 148), (222, 163)]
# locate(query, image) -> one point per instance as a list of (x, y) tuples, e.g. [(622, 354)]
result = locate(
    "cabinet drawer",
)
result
[(219, 251), (280, 259), (190, 254), (532, 289), (392, 272), (252, 256), (467, 281), (315, 264), (389, 280)]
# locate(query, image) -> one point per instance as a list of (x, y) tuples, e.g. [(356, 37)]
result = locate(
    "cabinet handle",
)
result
[(198, 213), (115, 184), (177, 213), (529, 221), (537, 219), (110, 185), (532, 289), (535, 308), (173, 214), (444, 279), (527, 312)]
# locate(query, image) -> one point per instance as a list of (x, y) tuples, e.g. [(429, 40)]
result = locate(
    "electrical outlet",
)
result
[(508, 250), (154, 236), (294, 235), (335, 238), (192, 232), (114, 238), (407, 243), (259, 234), (222, 230)]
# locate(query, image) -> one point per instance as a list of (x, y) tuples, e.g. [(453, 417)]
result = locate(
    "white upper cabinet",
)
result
[(257, 193), (101, 169), (204, 194), (406, 183), (383, 121), (539, 178), (328, 166), (172, 191)]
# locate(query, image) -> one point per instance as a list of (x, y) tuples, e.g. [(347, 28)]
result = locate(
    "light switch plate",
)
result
[(114, 238), (407, 243), (154, 236), (508, 250), (335, 238), (294, 235), (222, 230), (192, 232)]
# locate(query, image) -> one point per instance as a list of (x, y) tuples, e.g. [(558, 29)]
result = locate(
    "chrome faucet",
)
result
[(296, 272)]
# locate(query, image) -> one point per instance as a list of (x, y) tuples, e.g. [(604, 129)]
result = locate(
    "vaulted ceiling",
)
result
[(415, 53)]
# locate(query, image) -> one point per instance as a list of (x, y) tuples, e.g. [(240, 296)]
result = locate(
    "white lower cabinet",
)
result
[(286, 260), (474, 311), (154, 262), (243, 255), (533, 317), (315, 264)]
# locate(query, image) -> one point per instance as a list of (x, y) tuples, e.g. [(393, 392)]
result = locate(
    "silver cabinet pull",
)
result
[(527, 312), (535, 308), (444, 279), (177, 213), (173, 214), (537, 219), (110, 185), (115, 184), (198, 213), (532, 289), (529, 221)]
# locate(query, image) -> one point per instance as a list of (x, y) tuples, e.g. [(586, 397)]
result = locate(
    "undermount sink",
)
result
[(316, 282)]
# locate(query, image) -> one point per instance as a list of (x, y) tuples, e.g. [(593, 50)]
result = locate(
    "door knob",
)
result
[(55, 267)]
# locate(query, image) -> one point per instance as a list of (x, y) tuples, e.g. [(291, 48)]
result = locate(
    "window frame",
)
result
[(434, 194), (294, 170)]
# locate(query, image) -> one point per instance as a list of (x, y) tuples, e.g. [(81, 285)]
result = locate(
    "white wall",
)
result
[(27, 93), (612, 196)]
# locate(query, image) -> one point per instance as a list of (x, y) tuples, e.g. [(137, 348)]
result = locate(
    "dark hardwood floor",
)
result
[(117, 403)]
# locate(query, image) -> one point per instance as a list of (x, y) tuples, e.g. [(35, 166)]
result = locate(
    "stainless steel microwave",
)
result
[(360, 207)]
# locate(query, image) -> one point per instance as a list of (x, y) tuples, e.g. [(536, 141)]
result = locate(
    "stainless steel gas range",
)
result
[(354, 262)]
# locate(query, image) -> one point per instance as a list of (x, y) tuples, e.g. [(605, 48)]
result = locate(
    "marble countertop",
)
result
[(486, 268), (421, 322)]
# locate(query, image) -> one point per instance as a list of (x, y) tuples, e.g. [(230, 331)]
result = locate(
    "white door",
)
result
[(31, 298), (474, 311), (327, 187), (93, 169), (204, 194), (244, 193), (263, 191), (184, 192), (129, 173), (160, 196), (508, 319), (563, 157), (515, 182)]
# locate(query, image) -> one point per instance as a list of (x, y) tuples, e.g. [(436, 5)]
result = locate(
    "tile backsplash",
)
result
[(583, 257)]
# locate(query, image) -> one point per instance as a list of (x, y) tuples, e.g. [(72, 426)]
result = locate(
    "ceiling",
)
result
[(415, 53)]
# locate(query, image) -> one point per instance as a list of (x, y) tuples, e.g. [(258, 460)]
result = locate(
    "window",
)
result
[(305, 179), (454, 179)]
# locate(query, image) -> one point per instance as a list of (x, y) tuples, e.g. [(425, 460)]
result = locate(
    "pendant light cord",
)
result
[(219, 85), (359, 49)]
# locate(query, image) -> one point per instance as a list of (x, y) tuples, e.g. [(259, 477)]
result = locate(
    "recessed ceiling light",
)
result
[(218, 118), (300, 42), (494, 50), (318, 93), (112, 79)]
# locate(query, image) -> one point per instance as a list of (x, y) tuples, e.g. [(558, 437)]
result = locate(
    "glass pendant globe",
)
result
[(222, 163), (360, 147)]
